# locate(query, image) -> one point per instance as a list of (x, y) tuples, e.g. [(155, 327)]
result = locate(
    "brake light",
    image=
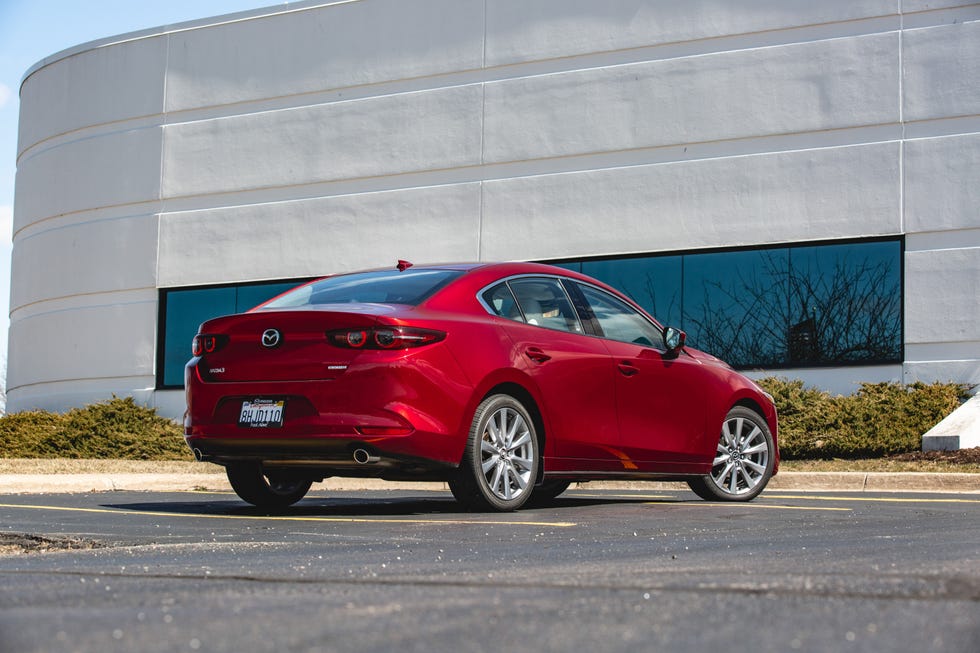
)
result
[(206, 344), (384, 338)]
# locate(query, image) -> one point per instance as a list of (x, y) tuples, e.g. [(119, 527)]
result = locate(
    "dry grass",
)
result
[(103, 466), (879, 465), (962, 461)]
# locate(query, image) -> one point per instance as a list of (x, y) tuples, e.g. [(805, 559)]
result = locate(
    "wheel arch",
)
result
[(523, 395), (751, 404), (769, 417)]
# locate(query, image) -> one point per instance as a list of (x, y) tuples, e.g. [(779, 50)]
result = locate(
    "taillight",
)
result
[(205, 343), (384, 338)]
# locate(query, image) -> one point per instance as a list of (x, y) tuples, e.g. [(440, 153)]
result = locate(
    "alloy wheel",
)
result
[(507, 456)]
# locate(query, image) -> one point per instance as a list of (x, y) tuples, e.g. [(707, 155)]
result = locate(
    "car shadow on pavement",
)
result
[(366, 507)]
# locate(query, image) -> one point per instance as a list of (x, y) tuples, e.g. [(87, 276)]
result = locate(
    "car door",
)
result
[(660, 410), (569, 368)]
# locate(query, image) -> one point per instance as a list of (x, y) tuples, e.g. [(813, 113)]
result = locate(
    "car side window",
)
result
[(543, 302), (500, 301), (620, 321)]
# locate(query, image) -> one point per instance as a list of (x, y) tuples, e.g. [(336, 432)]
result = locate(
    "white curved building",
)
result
[(806, 170)]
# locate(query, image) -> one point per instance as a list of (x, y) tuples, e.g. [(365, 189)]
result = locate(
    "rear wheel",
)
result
[(500, 463), (743, 460), (266, 490)]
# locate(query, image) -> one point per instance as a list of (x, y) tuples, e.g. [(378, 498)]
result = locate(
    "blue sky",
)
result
[(31, 30)]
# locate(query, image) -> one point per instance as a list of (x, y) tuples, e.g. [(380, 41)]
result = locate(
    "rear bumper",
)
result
[(319, 457), (409, 419)]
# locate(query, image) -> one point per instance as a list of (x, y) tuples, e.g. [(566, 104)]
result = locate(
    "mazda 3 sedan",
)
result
[(509, 381)]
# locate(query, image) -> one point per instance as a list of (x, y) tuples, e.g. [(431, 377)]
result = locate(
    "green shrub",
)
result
[(117, 428), (879, 419), (21, 433)]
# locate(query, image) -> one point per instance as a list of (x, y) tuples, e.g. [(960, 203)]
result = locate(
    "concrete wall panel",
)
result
[(941, 291), (944, 371), (909, 6), (941, 69), (362, 138), (59, 395), (528, 30), (806, 195), (347, 44), (93, 87), (320, 236), (780, 90), (97, 342), (941, 189), (97, 256), (118, 168)]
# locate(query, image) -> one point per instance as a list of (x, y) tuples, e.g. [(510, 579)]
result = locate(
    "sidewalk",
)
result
[(216, 482)]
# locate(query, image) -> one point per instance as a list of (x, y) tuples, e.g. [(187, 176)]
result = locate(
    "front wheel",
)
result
[(264, 490), (500, 464), (743, 460)]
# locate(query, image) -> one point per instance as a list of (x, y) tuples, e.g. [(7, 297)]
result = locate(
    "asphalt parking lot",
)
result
[(601, 570)]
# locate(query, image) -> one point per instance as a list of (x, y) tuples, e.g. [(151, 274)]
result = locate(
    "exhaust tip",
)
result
[(198, 456), (364, 457)]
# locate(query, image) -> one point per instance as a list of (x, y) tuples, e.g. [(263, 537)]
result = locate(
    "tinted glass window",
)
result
[(736, 305), (543, 302), (653, 282), (500, 300), (619, 321), (845, 303), (802, 305), (383, 287)]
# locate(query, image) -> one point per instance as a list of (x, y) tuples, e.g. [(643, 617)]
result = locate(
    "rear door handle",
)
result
[(536, 355), (627, 368)]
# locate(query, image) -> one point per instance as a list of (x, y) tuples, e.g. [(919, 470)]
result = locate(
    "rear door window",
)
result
[(543, 302)]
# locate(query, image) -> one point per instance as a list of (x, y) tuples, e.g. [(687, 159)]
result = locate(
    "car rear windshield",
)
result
[(384, 287)]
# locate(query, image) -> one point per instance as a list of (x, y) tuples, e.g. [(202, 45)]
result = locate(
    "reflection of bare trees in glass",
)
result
[(743, 319), (647, 296), (776, 314), (656, 308)]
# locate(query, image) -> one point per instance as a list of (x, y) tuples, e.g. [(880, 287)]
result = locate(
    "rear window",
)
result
[(384, 287)]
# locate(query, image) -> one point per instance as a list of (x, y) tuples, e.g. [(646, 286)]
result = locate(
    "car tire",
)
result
[(500, 463), (547, 492), (743, 461), (263, 490)]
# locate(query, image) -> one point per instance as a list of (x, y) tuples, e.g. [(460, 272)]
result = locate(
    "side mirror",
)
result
[(674, 340)]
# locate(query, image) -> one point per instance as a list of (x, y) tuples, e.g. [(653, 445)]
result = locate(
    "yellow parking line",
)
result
[(357, 520), (809, 497)]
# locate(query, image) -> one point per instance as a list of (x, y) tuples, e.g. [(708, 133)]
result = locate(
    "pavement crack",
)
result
[(890, 588), (13, 543)]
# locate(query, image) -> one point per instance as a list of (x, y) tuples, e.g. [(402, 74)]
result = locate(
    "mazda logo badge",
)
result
[(271, 338)]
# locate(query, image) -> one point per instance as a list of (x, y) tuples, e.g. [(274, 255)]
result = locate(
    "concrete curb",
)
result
[(216, 482)]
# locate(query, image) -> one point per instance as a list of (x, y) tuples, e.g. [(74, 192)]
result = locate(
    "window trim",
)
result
[(590, 323)]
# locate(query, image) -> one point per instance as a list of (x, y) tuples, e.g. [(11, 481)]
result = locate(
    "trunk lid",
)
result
[(284, 345)]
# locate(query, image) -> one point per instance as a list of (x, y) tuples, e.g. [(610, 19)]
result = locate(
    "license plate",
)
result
[(261, 413)]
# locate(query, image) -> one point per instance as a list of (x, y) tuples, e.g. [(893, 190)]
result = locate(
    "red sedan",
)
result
[(509, 381)]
